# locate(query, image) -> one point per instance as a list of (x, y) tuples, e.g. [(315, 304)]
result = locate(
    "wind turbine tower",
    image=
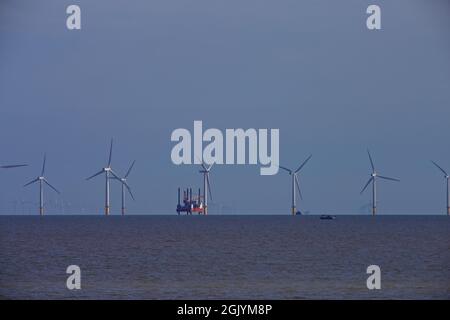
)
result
[(206, 186), (373, 179), (107, 171), (447, 178), (295, 185), (41, 179), (126, 186)]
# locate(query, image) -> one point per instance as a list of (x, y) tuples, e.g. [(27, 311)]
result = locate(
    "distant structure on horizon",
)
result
[(196, 204), (190, 204)]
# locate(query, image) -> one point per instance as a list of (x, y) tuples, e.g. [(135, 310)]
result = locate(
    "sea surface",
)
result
[(224, 257)]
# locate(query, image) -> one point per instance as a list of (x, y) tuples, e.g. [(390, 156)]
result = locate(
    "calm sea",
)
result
[(224, 257)]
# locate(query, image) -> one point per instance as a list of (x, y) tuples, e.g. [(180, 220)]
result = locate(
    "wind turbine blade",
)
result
[(48, 183), (100, 172), (303, 164), (129, 190), (115, 176), (387, 178), (123, 182), (298, 187), (286, 169), (440, 168), (371, 161), (110, 153), (209, 187), (365, 187), (13, 166), (129, 170), (31, 182), (43, 165), (202, 164)]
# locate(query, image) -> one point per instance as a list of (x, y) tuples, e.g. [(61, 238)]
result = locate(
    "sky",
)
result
[(138, 70)]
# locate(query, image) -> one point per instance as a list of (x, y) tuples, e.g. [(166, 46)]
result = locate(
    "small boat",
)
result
[(327, 217)]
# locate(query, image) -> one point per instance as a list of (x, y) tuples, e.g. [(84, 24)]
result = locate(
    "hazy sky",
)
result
[(140, 69)]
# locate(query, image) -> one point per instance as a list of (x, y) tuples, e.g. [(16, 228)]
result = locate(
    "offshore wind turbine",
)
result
[(107, 171), (295, 185), (10, 166), (125, 185), (41, 179), (373, 179), (447, 177), (206, 186)]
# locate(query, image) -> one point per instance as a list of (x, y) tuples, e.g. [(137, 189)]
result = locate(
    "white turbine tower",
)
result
[(373, 179), (41, 179), (125, 185), (206, 186), (107, 171), (295, 184), (447, 178)]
